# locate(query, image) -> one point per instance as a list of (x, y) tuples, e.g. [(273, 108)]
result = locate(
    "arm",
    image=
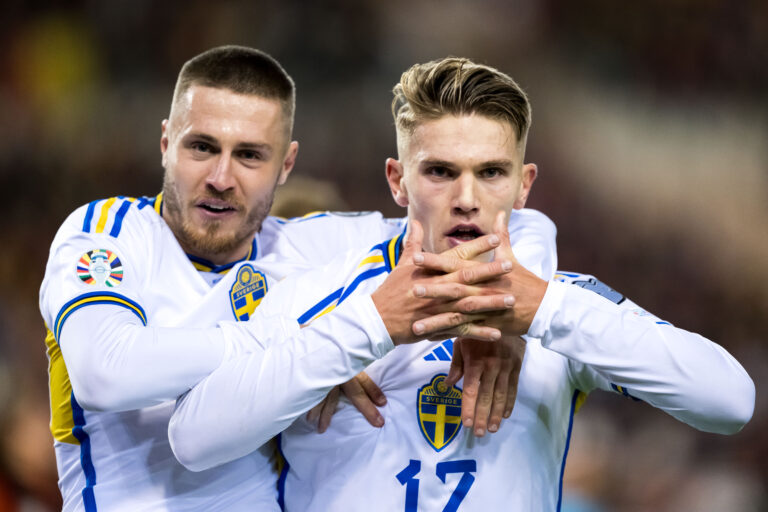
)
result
[(682, 373), (249, 400)]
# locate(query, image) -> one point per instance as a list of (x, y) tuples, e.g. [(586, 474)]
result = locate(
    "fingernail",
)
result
[(493, 427), (468, 423), (419, 291), (418, 328), (506, 266), (507, 414), (509, 301), (494, 239), (418, 258), (494, 335), (379, 422), (479, 432)]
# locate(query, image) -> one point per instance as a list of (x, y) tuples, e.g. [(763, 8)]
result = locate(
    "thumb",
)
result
[(413, 241)]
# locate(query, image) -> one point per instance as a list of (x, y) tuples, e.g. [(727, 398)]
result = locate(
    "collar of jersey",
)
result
[(391, 250), (202, 264)]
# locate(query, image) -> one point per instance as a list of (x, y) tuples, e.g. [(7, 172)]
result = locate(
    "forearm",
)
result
[(247, 401), (115, 363), (682, 373)]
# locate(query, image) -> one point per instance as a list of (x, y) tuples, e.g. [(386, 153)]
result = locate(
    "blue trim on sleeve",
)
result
[(86, 461), (567, 446), (89, 216), (96, 298), (283, 474), (118, 224), (319, 306), (362, 277)]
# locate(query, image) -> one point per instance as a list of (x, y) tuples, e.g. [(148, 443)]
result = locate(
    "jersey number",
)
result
[(407, 477)]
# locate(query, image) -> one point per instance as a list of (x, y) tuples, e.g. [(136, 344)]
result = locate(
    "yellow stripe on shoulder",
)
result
[(376, 258), (62, 419)]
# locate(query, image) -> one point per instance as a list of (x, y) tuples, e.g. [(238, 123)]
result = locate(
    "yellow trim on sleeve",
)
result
[(377, 258), (580, 401), (62, 420)]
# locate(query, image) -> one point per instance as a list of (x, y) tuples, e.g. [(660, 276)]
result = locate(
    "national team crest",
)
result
[(247, 292), (439, 409), (100, 267)]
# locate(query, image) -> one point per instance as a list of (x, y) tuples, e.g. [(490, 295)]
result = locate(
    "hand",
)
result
[(491, 374), (364, 394), (402, 302), (476, 285)]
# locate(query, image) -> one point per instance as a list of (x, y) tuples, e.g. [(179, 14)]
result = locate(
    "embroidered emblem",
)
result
[(439, 409), (247, 292), (100, 267)]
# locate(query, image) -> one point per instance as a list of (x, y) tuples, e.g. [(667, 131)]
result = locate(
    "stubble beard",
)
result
[(208, 241)]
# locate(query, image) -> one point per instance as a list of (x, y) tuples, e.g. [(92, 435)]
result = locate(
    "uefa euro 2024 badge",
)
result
[(100, 267)]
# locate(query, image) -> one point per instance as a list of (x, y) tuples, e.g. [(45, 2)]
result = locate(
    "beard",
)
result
[(211, 239)]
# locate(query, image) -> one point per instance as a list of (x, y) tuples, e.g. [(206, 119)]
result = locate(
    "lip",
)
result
[(204, 208), (453, 240)]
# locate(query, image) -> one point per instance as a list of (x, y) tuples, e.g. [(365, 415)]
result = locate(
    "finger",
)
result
[(454, 324), (472, 373), (373, 391), (514, 378), (456, 258), (484, 304), (501, 392), (314, 413), (501, 228), (412, 244), (457, 364), (483, 272), (484, 398), (329, 408), (356, 394)]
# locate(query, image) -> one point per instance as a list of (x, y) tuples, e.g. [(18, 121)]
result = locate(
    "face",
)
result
[(224, 154), (456, 173)]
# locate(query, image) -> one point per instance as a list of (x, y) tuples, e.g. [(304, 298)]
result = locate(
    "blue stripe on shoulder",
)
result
[(319, 306), (118, 224), (86, 461), (89, 216), (362, 277)]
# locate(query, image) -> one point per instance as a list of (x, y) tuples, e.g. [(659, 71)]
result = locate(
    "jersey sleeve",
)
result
[(532, 235), (93, 302), (249, 400), (613, 344)]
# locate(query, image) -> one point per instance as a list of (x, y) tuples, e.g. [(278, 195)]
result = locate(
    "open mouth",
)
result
[(215, 207), (465, 233)]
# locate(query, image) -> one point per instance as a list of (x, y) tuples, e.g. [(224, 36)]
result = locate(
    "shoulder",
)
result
[(528, 218), (591, 283)]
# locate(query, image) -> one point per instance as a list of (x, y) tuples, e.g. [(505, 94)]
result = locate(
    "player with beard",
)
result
[(131, 282)]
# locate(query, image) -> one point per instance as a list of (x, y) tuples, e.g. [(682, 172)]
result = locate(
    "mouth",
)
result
[(464, 232), (216, 207)]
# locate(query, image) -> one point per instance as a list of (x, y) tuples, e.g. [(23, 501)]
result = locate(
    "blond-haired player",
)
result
[(461, 134)]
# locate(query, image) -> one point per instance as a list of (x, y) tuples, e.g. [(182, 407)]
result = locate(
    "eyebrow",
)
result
[(255, 146), (489, 163)]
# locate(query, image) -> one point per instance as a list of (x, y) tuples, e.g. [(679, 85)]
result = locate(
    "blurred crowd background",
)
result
[(650, 131)]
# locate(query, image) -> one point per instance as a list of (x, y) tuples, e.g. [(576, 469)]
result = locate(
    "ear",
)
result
[(289, 162), (530, 171), (164, 141), (395, 178)]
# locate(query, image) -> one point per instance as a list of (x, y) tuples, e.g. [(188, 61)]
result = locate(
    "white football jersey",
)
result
[(423, 460), (115, 263)]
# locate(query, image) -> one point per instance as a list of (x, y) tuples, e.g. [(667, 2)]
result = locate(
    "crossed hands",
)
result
[(485, 305)]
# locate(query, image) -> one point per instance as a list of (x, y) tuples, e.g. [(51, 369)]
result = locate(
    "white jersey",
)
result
[(422, 459), (114, 268)]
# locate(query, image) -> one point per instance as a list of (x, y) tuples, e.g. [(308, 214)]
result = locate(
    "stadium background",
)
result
[(650, 130)]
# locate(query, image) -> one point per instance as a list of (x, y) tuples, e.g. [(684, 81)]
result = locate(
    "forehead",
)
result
[(222, 113), (463, 140)]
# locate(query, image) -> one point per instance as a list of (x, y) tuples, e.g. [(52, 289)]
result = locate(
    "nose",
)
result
[(465, 195), (221, 177)]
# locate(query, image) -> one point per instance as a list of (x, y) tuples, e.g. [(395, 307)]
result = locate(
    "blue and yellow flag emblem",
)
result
[(247, 292), (439, 410)]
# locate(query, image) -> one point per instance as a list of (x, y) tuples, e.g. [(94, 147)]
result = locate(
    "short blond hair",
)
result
[(458, 86)]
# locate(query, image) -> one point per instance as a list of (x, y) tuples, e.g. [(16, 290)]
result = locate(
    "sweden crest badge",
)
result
[(439, 409), (247, 291)]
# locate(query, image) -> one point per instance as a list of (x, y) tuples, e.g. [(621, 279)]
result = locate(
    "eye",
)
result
[(438, 171), (249, 154), (201, 147), (491, 172)]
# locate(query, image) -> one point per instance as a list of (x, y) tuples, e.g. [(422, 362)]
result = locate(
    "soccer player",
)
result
[(130, 282), (461, 131)]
